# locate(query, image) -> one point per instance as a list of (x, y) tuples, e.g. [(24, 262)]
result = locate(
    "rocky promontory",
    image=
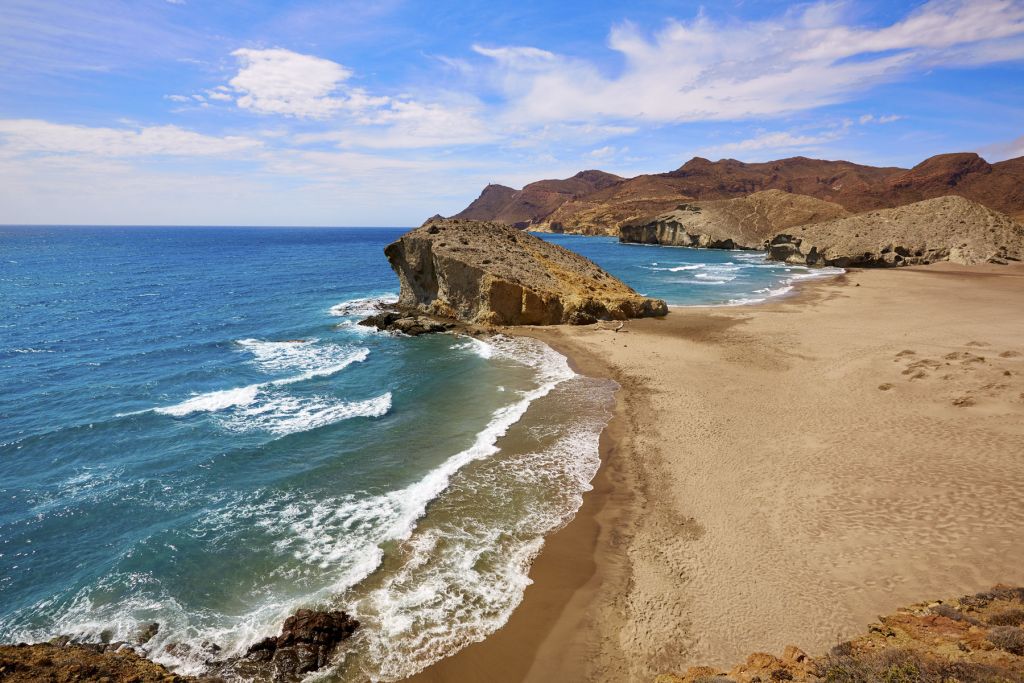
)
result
[(486, 273), (944, 229), (741, 223), (977, 638)]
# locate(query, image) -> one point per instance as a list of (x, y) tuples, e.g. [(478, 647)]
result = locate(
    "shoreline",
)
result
[(582, 613), (580, 560)]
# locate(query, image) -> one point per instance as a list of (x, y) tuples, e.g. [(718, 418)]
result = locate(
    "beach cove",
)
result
[(780, 474)]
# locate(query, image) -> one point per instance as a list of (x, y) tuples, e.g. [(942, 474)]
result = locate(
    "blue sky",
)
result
[(235, 112)]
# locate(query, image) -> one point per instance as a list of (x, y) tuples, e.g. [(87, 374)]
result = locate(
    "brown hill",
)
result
[(603, 211), (521, 208), (492, 274), (941, 229), (744, 223), (855, 187)]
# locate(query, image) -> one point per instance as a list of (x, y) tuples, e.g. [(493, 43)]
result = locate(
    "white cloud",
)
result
[(776, 141), (602, 153), (32, 136), (871, 118), (1010, 149), (704, 70), (177, 98), (279, 81)]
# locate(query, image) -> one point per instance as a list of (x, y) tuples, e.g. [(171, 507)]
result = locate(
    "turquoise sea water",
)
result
[(193, 431)]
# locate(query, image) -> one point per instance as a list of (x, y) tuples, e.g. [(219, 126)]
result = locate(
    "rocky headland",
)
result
[(975, 638), (485, 273), (943, 229), (741, 223)]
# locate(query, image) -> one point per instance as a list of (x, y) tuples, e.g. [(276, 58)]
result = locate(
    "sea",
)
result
[(195, 431)]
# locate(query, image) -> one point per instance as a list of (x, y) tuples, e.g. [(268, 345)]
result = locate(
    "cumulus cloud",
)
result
[(702, 70), (279, 81)]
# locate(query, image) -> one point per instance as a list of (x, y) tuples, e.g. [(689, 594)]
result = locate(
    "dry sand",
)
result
[(782, 473)]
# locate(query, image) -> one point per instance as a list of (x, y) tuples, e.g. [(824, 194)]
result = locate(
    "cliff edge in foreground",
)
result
[(490, 274), (975, 639)]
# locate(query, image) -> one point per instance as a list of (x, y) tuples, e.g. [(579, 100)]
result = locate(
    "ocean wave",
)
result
[(270, 356), (461, 577), (307, 356), (285, 414), (213, 401), (363, 306), (327, 546)]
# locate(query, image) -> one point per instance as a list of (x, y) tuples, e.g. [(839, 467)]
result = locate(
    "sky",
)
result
[(309, 112)]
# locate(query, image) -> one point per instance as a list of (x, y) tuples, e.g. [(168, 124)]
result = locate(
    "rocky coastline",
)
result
[(488, 274), (306, 644)]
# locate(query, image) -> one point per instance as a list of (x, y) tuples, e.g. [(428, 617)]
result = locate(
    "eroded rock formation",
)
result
[(944, 229), (741, 223), (491, 274)]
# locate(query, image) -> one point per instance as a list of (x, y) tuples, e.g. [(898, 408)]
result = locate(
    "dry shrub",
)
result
[(903, 666), (1009, 638), (1010, 617)]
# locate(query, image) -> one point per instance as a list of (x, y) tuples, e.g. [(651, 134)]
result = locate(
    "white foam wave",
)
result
[(305, 355), (676, 269), (213, 401), (477, 346), (363, 306), (289, 414), (271, 356)]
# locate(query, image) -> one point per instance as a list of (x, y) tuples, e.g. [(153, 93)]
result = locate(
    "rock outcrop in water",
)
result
[(944, 229), (741, 223), (308, 641), (491, 274)]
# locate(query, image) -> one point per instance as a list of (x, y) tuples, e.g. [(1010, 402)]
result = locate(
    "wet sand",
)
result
[(781, 473)]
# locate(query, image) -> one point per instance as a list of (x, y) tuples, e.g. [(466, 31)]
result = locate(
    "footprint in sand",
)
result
[(977, 343), (1010, 354)]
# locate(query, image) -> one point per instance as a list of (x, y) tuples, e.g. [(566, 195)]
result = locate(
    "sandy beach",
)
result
[(781, 474)]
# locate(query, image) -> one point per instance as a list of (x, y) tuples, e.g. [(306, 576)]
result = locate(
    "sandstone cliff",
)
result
[(602, 203), (741, 223), (491, 274), (944, 229), (976, 638)]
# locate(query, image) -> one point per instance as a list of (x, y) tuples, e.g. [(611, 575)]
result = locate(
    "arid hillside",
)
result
[(593, 202)]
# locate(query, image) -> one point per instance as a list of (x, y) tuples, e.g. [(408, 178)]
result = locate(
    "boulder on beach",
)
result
[(490, 274)]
